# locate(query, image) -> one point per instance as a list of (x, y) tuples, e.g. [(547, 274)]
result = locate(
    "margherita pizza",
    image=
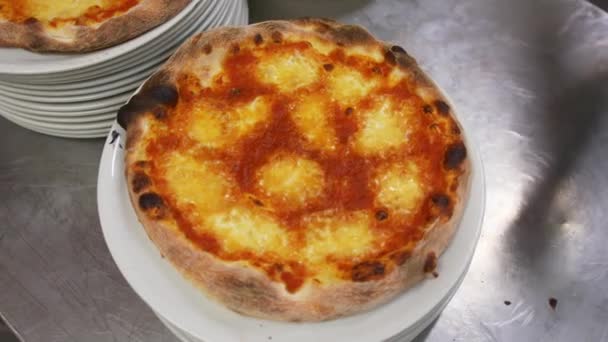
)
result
[(296, 170), (79, 25)]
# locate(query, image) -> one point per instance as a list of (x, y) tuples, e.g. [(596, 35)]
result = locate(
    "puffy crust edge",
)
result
[(31, 35), (250, 291)]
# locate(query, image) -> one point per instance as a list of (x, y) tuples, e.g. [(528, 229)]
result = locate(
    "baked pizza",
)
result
[(79, 25), (296, 170)]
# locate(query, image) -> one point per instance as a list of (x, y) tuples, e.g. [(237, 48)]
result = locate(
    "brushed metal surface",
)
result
[(530, 78)]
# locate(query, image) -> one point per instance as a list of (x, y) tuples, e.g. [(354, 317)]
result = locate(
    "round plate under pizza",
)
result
[(179, 302)]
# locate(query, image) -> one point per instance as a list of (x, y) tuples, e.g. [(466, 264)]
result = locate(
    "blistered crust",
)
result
[(249, 290), (32, 35)]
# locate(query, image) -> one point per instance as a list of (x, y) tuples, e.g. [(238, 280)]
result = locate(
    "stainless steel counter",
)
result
[(530, 78)]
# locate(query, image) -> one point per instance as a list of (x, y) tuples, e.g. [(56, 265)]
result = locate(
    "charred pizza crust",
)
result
[(33, 35), (249, 290)]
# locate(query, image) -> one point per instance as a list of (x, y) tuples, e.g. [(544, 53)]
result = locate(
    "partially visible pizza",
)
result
[(296, 170), (79, 25)]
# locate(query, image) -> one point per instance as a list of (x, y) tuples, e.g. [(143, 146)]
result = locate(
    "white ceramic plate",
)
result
[(74, 86), (62, 126), (63, 107), (74, 98), (77, 89), (236, 14), (116, 72), (184, 306), (96, 133), (66, 114), (109, 115), (245, 15), (21, 62)]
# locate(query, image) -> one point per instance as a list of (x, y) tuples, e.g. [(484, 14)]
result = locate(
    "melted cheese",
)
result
[(206, 189), (291, 179), (289, 71), (384, 128), (400, 188), (312, 116), (348, 86), (241, 229), (214, 127), (339, 237)]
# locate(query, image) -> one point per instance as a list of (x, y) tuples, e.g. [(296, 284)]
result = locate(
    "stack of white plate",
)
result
[(194, 318), (77, 95)]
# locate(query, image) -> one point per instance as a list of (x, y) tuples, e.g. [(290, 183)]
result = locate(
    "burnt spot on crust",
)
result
[(427, 109), (381, 215), (207, 49), (390, 58), (257, 202), (141, 163), (150, 99), (140, 181), (276, 36), (398, 49), (258, 39), (152, 204), (441, 200), (349, 110), (435, 128), (430, 263), (442, 107), (159, 113), (368, 270), (328, 67), (401, 257), (454, 155), (165, 94)]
